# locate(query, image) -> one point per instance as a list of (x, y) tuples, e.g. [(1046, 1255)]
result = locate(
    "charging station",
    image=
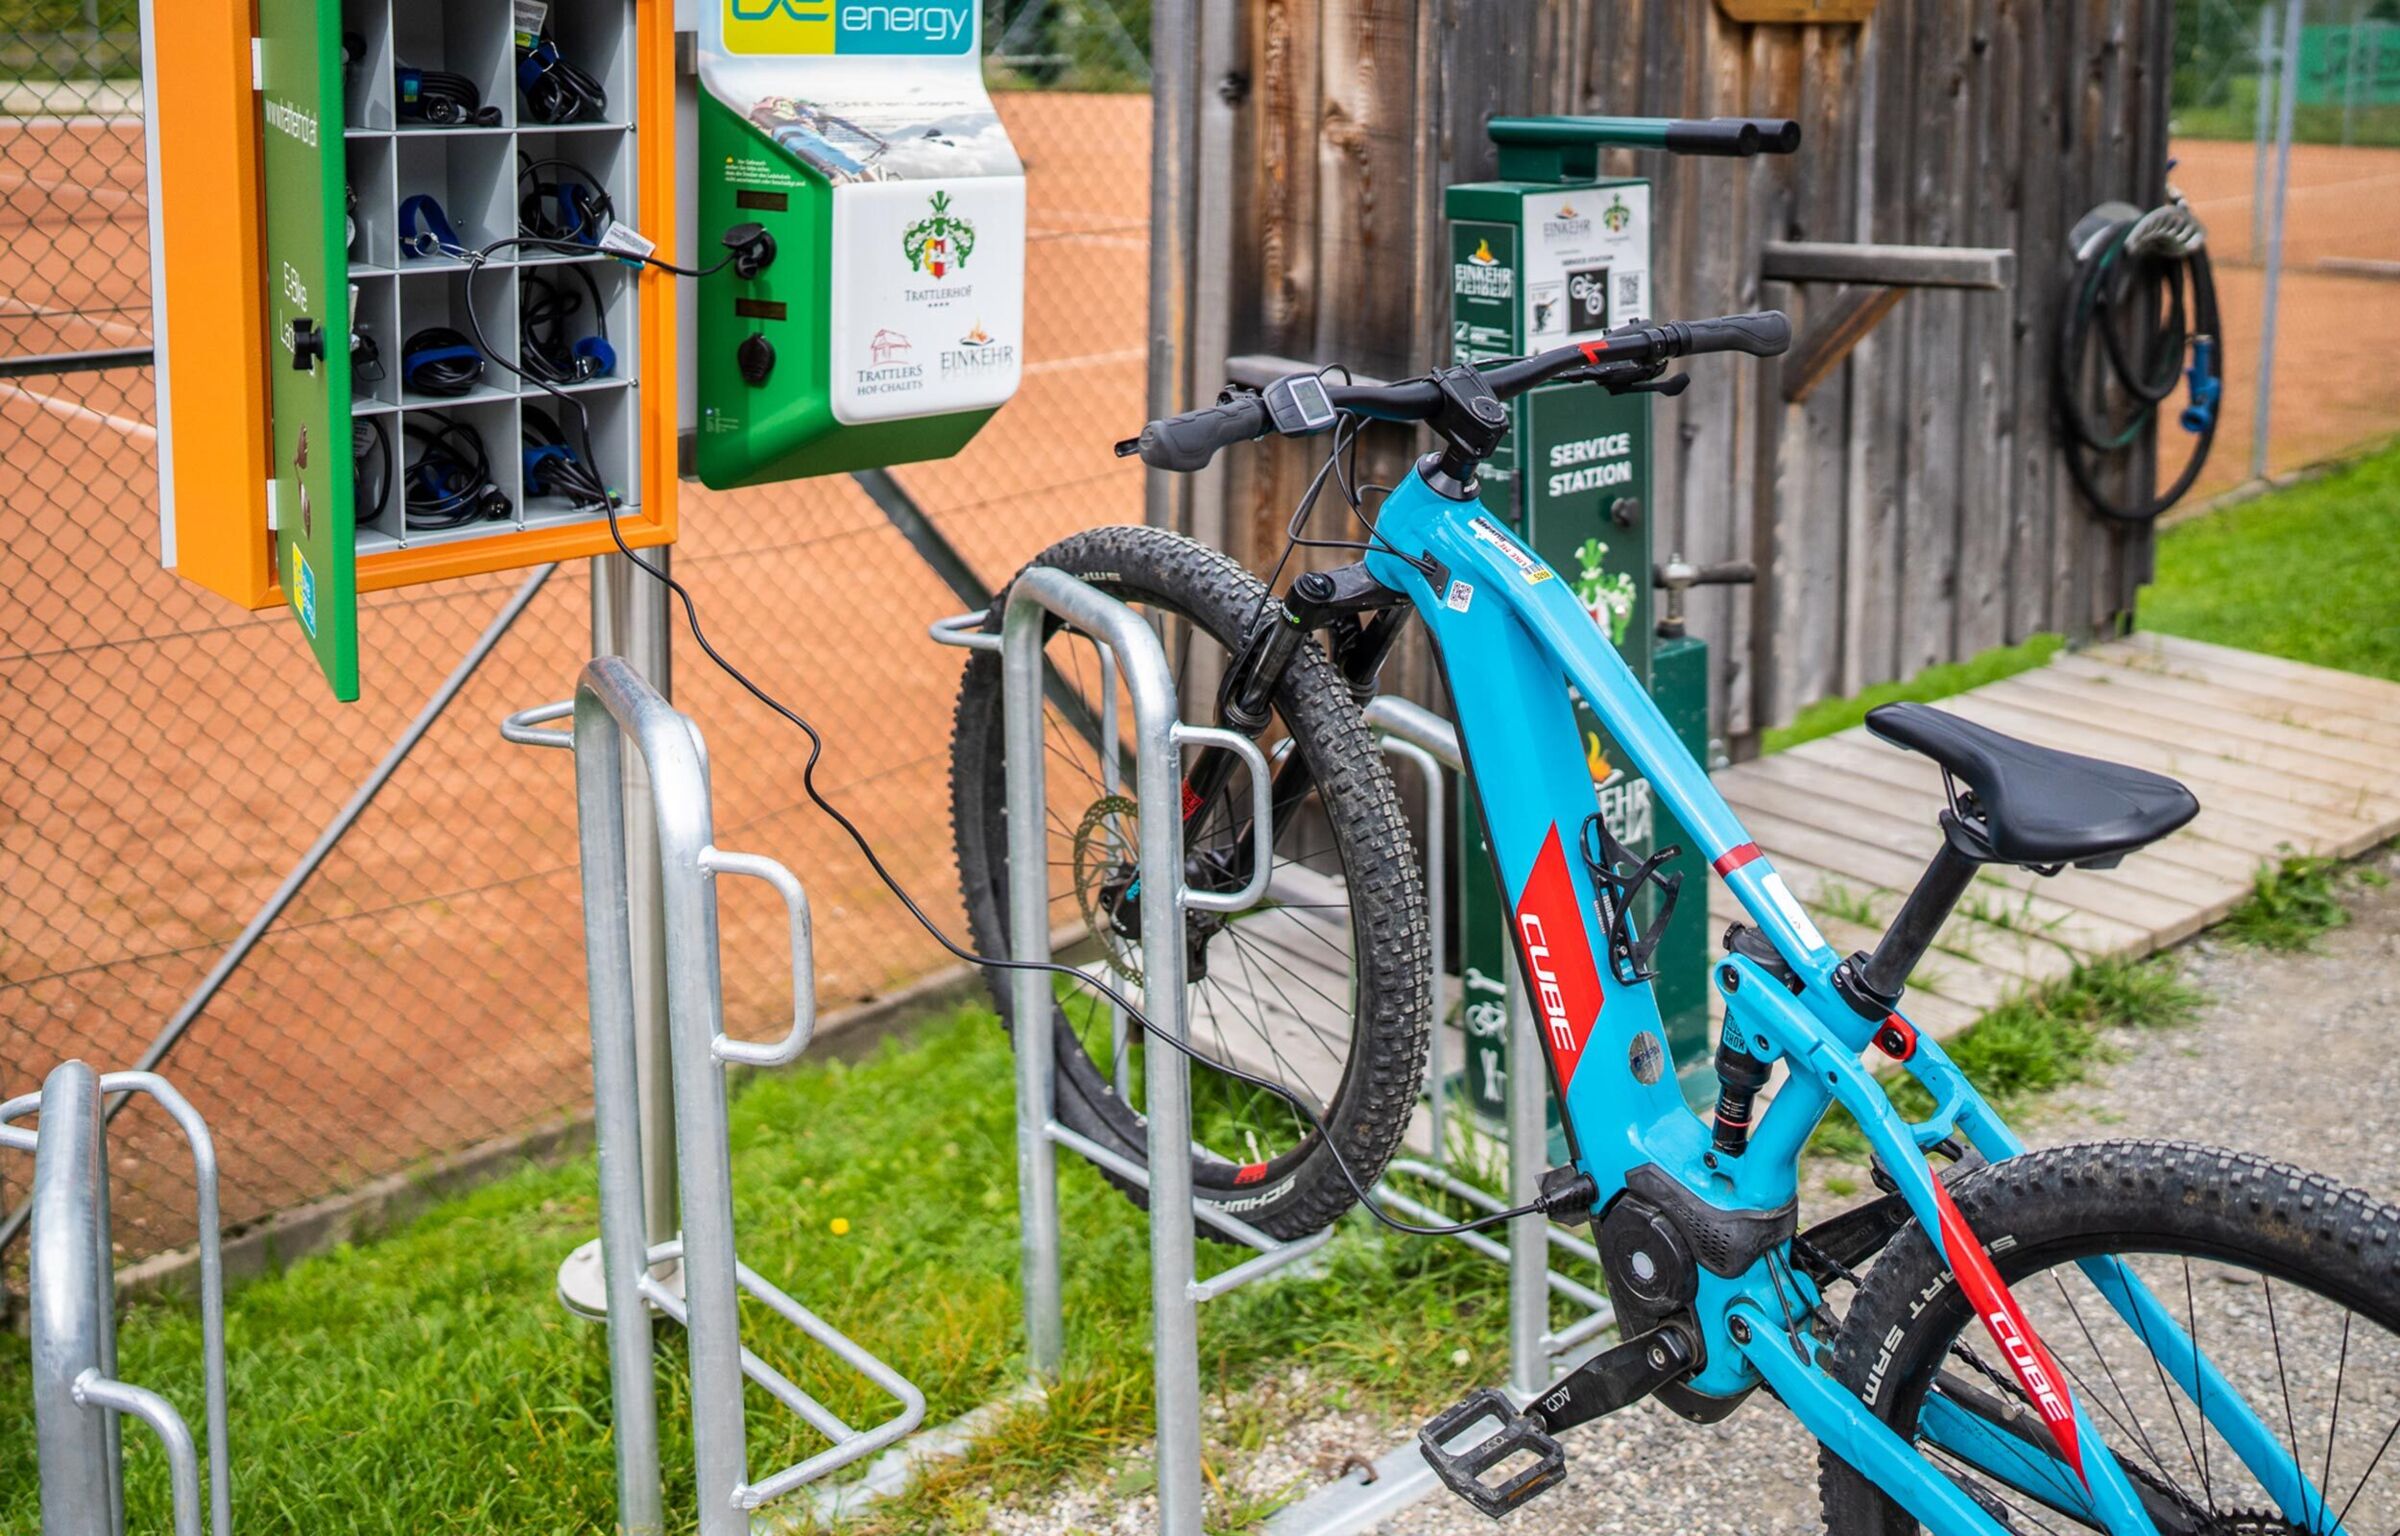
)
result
[(891, 323), (1550, 254), (381, 227)]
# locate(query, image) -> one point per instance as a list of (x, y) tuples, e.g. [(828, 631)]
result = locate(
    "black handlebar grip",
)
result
[(1187, 442), (1776, 135), (1766, 333), (1734, 137)]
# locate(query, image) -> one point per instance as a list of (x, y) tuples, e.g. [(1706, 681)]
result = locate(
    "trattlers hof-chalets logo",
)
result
[(939, 242), (914, 27)]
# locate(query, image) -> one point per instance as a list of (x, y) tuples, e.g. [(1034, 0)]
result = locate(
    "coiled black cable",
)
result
[(439, 361), (569, 208), (555, 91), (449, 483), (2146, 294), (545, 306), (441, 98), (554, 466)]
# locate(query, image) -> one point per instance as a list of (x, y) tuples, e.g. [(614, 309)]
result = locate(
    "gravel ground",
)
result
[(2291, 1056)]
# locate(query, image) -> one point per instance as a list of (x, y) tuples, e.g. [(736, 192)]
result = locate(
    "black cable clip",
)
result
[(1607, 860)]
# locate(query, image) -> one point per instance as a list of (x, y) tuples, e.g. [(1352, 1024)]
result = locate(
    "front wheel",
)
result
[(2289, 1283), (1322, 988)]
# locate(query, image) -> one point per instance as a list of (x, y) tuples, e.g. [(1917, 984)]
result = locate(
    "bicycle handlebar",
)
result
[(1188, 441)]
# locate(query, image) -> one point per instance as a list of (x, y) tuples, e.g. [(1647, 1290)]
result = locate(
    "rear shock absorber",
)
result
[(1740, 1076)]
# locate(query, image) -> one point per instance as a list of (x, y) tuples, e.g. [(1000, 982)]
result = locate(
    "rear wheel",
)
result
[(1322, 988), (2289, 1284)]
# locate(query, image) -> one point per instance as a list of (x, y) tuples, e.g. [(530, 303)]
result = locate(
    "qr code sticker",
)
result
[(1629, 293)]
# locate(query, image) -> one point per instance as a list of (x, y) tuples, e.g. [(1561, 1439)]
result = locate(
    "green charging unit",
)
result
[(888, 324), (1555, 254)]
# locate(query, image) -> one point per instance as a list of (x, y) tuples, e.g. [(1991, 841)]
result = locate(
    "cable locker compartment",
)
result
[(314, 334)]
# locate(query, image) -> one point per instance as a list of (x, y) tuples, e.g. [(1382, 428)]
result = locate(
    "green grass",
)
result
[(2295, 901), (2303, 573), (429, 1382), (2041, 1041), (1827, 716)]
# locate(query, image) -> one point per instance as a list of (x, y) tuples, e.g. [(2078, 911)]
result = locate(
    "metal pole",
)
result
[(73, 1310), (1528, 1236), (1166, 1079), (1029, 993), (629, 619), (2289, 90), (1173, 59), (616, 1112), (2351, 59), (2258, 145), (1175, 1321), (343, 820)]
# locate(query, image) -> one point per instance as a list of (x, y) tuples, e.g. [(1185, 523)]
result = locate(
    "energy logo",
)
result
[(779, 26), (849, 26), (939, 241)]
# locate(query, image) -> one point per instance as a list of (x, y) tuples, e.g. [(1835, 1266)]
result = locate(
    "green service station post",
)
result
[(1551, 254)]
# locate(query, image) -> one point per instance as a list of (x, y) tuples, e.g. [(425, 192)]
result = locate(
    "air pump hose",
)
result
[(2145, 300)]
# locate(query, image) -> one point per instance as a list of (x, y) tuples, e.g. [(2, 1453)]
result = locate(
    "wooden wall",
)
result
[(1912, 509)]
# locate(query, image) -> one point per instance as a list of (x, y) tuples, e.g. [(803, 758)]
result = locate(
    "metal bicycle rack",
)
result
[(612, 704), (1159, 736), (78, 1401)]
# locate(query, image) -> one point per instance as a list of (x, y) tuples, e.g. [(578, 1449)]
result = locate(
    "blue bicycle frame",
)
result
[(1504, 619)]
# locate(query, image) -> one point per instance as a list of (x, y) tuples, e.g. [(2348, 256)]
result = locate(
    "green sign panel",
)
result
[(1532, 265), (2354, 65), (308, 327)]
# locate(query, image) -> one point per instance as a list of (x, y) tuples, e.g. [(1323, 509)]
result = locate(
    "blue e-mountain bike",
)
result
[(2125, 1336)]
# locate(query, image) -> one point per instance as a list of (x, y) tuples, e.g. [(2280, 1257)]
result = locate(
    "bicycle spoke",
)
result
[(2110, 1372)]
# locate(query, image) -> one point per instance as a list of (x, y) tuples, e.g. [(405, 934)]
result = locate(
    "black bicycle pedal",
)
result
[(1462, 1467)]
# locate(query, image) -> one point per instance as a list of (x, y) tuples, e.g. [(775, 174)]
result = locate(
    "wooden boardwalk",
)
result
[(2285, 758)]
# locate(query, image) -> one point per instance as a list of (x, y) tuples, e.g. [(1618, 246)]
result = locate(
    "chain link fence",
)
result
[(165, 759)]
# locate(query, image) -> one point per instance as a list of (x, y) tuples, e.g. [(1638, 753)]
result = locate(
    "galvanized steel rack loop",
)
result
[(612, 703), (77, 1398), (1159, 740)]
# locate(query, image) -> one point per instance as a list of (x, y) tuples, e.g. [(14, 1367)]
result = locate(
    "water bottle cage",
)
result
[(1618, 878)]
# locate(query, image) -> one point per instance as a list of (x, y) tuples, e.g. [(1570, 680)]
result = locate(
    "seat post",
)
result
[(1921, 917)]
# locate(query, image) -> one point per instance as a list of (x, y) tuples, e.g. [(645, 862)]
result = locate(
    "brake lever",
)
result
[(1629, 378)]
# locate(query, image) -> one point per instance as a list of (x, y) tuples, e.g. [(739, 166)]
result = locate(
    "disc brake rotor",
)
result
[(1104, 864)]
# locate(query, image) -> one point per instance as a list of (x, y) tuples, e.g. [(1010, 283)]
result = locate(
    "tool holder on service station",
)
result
[(1129, 647), (1417, 736), (78, 1402), (612, 705)]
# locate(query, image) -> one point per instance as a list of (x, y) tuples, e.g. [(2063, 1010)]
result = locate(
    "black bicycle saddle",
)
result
[(2039, 806)]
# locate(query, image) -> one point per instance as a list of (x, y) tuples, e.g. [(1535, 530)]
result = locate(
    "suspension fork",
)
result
[(1363, 619)]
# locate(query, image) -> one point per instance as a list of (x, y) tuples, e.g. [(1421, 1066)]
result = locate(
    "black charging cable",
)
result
[(554, 90), (449, 483), (439, 361), (567, 206), (546, 306), (444, 99), (553, 467)]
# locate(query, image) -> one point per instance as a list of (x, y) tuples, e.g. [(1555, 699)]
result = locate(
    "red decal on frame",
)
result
[(1557, 956)]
